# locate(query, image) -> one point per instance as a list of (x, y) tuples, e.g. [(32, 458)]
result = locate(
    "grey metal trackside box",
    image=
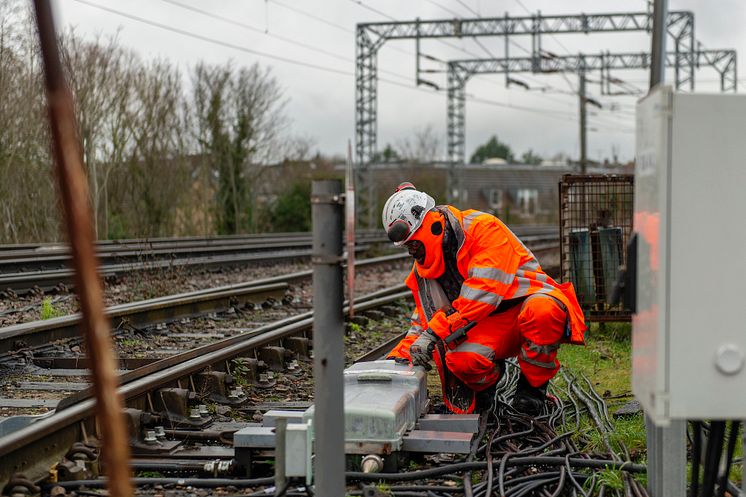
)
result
[(689, 332), (383, 400)]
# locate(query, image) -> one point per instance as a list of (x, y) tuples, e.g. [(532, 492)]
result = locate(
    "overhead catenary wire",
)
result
[(274, 35), (493, 56), (211, 40), (288, 60), (552, 114)]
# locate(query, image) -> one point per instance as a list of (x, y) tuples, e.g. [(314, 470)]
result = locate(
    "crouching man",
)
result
[(481, 297)]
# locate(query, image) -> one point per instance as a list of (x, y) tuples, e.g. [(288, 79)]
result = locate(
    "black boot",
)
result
[(528, 399), (486, 398)]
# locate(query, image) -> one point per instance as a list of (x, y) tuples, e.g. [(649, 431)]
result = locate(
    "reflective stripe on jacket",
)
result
[(496, 266)]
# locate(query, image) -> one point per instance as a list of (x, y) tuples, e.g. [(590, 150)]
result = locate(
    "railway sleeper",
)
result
[(300, 346), (147, 435), (219, 387), (253, 372), (275, 357), (174, 405)]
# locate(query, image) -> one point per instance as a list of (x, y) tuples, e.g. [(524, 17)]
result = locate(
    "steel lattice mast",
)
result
[(371, 36)]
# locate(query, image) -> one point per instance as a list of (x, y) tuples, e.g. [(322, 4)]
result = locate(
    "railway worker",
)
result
[(472, 273)]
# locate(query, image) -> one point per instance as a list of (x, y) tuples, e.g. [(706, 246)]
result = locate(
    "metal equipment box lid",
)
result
[(382, 400)]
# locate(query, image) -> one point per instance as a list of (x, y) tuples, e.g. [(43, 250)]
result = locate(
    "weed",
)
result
[(384, 488), (130, 342), (48, 311), (355, 328), (149, 474), (610, 478), (240, 371)]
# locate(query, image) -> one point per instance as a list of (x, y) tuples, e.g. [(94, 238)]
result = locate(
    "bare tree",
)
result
[(238, 120), (98, 73), (159, 163), (28, 210), (423, 147), (153, 182)]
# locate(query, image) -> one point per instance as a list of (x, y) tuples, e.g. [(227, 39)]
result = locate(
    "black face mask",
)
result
[(416, 249)]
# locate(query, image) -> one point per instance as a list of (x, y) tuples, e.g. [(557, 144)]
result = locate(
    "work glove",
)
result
[(442, 324), (397, 359), (421, 351)]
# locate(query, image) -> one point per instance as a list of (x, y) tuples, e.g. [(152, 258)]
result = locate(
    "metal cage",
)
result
[(595, 223)]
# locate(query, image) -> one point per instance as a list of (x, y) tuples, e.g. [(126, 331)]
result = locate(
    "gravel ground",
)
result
[(167, 340), (139, 286)]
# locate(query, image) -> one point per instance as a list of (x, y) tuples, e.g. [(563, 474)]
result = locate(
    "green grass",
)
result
[(149, 474), (130, 342), (48, 310), (610, 478), (606, 362), (606, 358)]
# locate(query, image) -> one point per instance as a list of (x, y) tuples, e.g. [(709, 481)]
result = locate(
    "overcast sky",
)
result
[(321, 100)]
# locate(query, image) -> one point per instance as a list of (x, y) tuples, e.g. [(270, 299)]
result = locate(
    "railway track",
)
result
[(44, 268), (511, 454), (31, 449), (187, 405), (32, 335), (28, 257)]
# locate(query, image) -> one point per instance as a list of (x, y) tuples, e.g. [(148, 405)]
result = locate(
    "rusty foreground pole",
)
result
[(73, 188)]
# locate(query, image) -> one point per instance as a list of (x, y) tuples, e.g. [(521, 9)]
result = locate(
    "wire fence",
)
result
[(595, 224)]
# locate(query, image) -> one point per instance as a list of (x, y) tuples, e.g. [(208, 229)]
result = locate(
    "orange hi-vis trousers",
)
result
[(531, 331)]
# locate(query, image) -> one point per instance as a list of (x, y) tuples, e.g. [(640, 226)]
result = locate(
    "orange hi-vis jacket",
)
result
[(496, 267)]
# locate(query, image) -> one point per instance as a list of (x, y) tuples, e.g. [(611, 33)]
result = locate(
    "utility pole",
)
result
[(583, 123), (327, 214), (658, 49)]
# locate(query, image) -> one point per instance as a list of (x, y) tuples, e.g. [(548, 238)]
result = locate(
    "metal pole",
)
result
[(73, 189), (666, 458), (328, 332), (583, 123), (658, 49), (350, 230), (417, 55), (281, 425)]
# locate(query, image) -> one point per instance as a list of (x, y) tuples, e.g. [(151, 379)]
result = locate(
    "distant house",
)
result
[(516, 193)]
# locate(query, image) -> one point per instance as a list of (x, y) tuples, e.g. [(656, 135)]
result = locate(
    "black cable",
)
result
[(309, 490), (193, 482), (514, 461), (572, 478), (696, 457), (732, 438), (501, 473), (281, 492), (561, 483), (712, 457)]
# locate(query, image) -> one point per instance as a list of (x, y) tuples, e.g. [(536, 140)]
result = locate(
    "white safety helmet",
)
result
[(404, 212)]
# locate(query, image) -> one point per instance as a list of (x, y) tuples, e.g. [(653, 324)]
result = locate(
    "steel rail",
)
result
[(39, 333), (34, 260), (170, 242), (52, 436), (378, 352), (167, 308), (24, 258), (47, 280), (8, 251), (11, 251), (205, 349)]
